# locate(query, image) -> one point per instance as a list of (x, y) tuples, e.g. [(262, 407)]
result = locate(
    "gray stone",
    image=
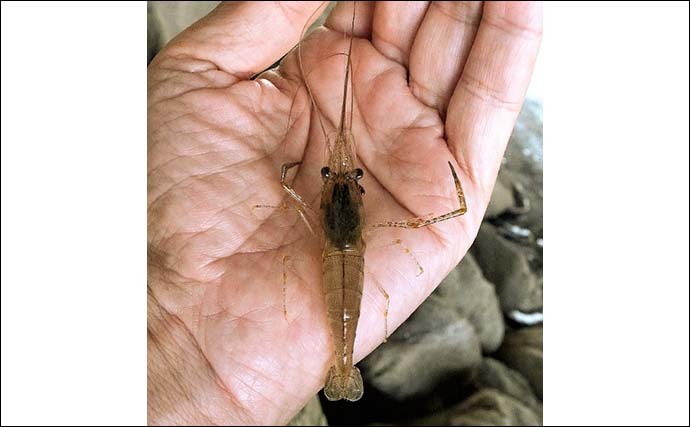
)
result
[(487, 407), (467, 291), (445, 336), (522, 168), (522, 351), (414, 361), (495, 375), (310, 415), (501, 199), (152, 33), (506, 265), (525, 150), (502, 397)]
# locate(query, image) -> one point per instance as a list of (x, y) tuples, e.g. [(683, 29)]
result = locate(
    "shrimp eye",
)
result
[(325, 172), (359, 173)]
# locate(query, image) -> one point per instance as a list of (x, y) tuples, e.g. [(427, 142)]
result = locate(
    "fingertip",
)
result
[(522, 16)]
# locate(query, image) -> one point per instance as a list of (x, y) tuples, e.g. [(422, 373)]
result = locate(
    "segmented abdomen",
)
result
[(343, 275)]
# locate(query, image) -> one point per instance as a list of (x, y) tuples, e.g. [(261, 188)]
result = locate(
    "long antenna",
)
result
[(347, 67), (304, 76)]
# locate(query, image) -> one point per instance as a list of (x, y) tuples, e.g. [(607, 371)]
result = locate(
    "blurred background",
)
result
[(472, 353)]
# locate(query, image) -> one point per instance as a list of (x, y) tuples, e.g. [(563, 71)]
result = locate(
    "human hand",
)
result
[(220, 348)]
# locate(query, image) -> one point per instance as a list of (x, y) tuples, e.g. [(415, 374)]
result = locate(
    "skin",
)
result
[(220, 349)]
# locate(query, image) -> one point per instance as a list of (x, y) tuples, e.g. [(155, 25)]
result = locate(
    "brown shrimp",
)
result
[(342, 222), (342, 218)]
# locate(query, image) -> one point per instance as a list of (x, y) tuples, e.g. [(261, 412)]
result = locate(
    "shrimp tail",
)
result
[(341, 385)]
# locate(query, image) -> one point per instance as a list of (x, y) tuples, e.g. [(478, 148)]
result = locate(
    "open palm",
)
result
[(431, 84)]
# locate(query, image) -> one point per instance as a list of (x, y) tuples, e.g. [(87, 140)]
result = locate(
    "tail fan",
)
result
[(344, 386)]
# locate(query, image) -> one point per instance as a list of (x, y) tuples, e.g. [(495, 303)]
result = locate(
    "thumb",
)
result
[(244, 38)]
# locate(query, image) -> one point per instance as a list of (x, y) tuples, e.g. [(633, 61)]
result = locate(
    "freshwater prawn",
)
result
[(341, 218)]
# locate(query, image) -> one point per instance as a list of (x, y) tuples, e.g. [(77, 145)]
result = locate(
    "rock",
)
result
[(506, 265), (310, 415), (501, 396), (445, 336), (522, 351), (501, 199), (520, 181), (495, 375), (487, 407), (152, 33), (415, 360), (522, 168), (466, 290), (525, 147)]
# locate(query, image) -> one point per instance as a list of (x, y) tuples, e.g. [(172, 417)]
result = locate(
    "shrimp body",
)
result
[(342, 218), (342, 221), (343, 265)]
